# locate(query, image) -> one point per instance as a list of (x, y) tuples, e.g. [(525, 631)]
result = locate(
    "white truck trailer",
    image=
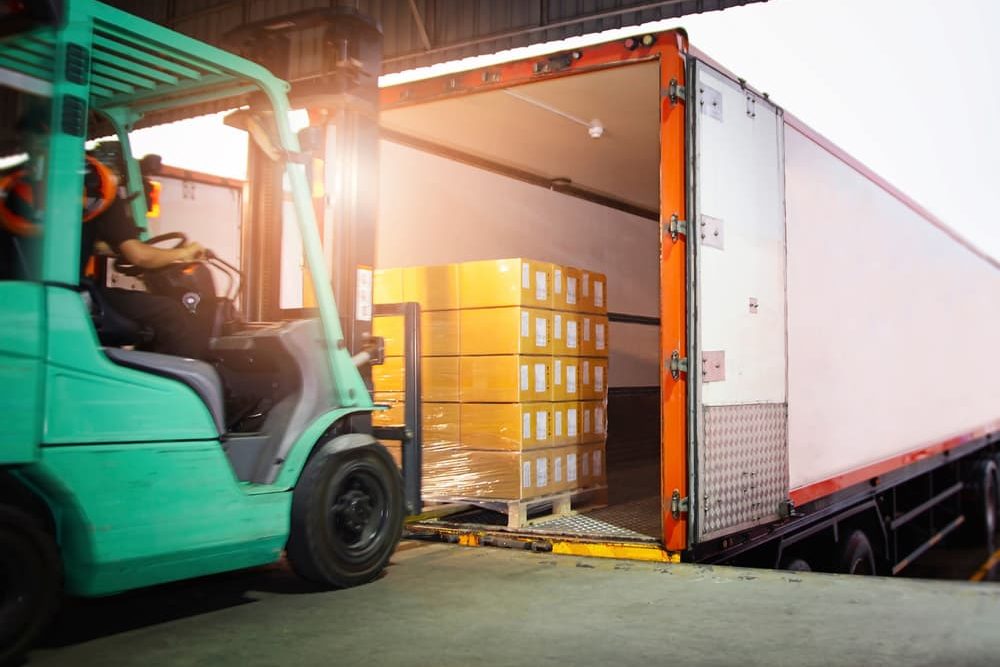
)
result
[(804, 367)]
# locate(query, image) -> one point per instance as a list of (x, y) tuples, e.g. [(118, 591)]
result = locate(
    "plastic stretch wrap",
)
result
[(514, 378)]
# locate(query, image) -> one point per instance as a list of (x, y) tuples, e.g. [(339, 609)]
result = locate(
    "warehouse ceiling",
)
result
[(544, 128), (416, 32)]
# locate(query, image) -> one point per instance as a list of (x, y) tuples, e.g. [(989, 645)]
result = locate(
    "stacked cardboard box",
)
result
[(514, 375)]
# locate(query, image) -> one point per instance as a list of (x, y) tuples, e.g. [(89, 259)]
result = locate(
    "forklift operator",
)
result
[(175, 330), (107, 221)]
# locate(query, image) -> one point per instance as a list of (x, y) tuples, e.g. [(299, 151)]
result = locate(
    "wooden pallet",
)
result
[(560, 504)]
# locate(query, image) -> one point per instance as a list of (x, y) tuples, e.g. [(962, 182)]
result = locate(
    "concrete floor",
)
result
[(446, 605)]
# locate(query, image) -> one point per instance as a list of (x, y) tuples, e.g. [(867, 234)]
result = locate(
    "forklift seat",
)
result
[(113, 328), (198, 375)]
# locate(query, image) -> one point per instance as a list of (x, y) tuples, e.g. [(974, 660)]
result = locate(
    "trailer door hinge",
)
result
[(678, 364), (678, 505), (676, 226), (676, 92)]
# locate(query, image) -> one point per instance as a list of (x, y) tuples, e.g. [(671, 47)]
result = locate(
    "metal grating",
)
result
[(744, 466)]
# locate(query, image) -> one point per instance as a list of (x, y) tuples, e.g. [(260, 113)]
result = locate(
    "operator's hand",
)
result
[(191, 251)]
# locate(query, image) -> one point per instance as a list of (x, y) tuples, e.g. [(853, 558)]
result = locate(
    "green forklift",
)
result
[(120, 467)]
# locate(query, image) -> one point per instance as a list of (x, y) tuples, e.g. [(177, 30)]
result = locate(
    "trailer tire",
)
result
[(857, 555), (983, 512), (347, 513), (30, 582)]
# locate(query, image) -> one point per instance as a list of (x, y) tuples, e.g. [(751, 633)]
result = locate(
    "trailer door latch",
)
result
[(678, 505), (678, 364), (676, 226)]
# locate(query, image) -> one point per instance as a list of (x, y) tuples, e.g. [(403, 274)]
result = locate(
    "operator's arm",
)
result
[(149, 257)]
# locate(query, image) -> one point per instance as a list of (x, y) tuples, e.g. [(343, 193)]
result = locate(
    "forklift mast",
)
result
[(341, 143)]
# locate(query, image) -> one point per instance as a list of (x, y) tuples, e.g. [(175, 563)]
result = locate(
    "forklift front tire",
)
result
[(30, 582), (347, 513)]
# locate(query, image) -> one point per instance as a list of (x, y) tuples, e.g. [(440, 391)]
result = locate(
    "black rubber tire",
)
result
[(795, 564), (856, 555), (30, 582), (982, 514), (347, 513)]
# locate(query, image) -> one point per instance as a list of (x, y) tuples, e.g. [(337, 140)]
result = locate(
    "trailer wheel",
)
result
[(857, 555), (30, 582), (347, 513), (983, 512)]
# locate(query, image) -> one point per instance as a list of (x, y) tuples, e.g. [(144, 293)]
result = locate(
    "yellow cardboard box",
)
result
[(592, 465), (439, 378), (565, 333), (593, 378), (506, 379), (433, 287), (565, 288), (388, 286), (507, 426), (505, 282), (512, 330), (438, 333), (566, 379), (593, 335), (593, 421), (500, 475), (593, 293), (441, 420), (565, 423), (566, 468)]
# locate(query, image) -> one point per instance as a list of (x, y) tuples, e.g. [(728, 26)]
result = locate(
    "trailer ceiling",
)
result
[(542, 129)]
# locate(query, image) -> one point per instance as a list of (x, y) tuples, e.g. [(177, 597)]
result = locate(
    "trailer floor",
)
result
[(441, 604)]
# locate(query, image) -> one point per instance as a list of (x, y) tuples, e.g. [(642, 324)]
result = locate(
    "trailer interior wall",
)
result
[(892, 323), (433, 210)]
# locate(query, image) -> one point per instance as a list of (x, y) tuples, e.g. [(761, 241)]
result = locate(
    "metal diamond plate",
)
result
[(744, 466)]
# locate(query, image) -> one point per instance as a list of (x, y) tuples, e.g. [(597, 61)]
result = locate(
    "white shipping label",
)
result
[(571, 334), (557, 326), (557, 372), (525, 324), (571, 290), (541, 332), (599, 336), (598, 294), (557, 281), (557, 423), (599, 421), (586, 465), (586, 421), (570, 378), (571, 422), (539, 378), (526, 475), (524, 377), (541, 285), (541, 425), (364, 295), (586, 284), (598, 378), (525, 276), (542, 471), (557, 470), (586, 330), (571, 467), (586, 372), (597, 463), (526, 426)]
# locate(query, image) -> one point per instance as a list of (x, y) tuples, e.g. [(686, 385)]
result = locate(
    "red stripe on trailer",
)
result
[(810, 492)]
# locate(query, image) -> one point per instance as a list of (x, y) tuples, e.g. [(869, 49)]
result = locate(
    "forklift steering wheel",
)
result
[(122, 266)]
